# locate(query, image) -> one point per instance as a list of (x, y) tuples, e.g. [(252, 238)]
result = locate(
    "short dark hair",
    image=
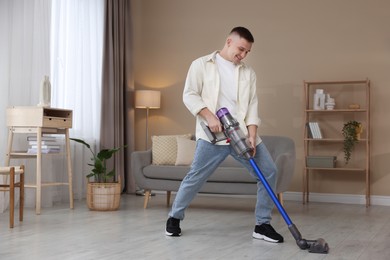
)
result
[(243, 33)]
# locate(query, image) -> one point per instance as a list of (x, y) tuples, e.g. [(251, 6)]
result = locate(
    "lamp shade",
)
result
[(147, 99)]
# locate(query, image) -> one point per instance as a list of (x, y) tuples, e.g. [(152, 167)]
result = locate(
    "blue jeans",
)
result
[(206, 160)]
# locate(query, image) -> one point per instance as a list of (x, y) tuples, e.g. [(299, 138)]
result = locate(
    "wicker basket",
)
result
[(103, 196)]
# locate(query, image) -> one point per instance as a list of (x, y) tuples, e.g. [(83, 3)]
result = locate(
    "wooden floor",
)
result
[(214, 228)]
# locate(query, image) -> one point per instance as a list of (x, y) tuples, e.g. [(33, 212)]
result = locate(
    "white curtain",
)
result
[(76, 69), (24, 60), (62, 39), (76, 58)]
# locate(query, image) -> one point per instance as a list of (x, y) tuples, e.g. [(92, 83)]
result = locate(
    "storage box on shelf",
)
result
[(348, 100), (321, 161)]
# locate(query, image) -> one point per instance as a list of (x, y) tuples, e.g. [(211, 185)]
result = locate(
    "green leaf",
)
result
[(81, 142), (90, 175), (111, 173), (349, 132), (106, 154), (99, 169)]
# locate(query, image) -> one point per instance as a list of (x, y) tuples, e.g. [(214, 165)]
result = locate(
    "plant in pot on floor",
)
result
[(351, 132), (104, 192)]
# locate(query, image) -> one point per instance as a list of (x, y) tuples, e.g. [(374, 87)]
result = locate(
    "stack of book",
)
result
[(49, 144), (314, 130)]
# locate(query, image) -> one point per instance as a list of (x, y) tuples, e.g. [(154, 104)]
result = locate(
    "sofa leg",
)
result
[(280, 198), (168, 198), (147, 197)]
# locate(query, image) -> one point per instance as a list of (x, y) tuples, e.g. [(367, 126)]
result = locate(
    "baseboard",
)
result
[(316, 197), (338, 198)]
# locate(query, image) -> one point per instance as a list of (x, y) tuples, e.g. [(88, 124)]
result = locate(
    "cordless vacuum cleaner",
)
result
[(234, 135)]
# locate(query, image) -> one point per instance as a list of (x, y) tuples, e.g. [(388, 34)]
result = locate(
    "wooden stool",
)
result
[(12, 171)]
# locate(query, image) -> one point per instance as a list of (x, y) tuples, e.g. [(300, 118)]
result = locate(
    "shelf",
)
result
[(330, 140), (40, 121), (30, 155), (346, 110), (39, 117), (346, 93), (47, 184), (22, 155), (351, 82), (337, 169)]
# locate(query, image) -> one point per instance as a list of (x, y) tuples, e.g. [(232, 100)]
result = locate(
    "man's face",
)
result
[(238, 48)]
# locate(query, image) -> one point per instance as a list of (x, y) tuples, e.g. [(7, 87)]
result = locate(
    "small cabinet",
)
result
[(40, 121), (39, 117), (352, 103)]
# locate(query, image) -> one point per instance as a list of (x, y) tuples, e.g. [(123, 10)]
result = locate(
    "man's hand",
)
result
[(252, 132), (212, 120), (252, 142)]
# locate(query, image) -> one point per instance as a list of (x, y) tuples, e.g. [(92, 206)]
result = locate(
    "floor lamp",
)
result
[(147, 99)]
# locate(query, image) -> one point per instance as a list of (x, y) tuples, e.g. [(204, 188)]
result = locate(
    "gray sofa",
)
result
[(229, 178)]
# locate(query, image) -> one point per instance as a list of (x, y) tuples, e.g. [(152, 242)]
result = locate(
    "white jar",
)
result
[(319, 100)]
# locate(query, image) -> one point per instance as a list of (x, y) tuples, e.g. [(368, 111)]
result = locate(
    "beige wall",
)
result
[(294, 41)]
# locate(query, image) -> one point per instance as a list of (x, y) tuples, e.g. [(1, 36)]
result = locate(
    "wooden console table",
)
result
[(40, 121)]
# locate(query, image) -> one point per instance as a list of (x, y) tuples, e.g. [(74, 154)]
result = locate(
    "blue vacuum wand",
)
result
[(234, 135)]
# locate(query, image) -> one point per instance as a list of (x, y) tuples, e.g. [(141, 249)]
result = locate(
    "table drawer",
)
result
[(57, 122)]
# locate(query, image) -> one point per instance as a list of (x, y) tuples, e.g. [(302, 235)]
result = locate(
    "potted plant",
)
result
[(351, 132), (104, 192)]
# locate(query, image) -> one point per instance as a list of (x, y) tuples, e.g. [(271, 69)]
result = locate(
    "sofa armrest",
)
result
[(285, 164), (282, 150), (139, 160)]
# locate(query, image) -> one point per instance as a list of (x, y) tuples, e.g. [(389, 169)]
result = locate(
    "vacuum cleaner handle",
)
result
[(241, 146), (214, 138), (314, 246), (232, 133)]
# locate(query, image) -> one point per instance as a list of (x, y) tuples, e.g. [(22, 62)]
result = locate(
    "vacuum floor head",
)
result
[(319, 246), (314, 246)]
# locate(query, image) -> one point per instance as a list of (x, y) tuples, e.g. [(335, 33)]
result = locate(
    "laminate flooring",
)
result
[(215, 227)]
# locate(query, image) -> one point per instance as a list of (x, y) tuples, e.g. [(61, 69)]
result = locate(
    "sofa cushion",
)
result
[(164, 149), (185, 151), (222, 174)]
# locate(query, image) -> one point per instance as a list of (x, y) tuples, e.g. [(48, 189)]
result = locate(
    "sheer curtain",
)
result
[(24, 60), (62, 39), (76, 69), (76, 58)]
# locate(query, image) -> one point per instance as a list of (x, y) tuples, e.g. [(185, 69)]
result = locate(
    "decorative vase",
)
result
[(45, 93), (359, 131), (319, 100)]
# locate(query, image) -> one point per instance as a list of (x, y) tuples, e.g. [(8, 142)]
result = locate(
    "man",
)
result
[(214, 81)]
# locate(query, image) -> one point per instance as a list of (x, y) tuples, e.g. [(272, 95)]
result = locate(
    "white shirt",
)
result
[(228, 91), (202, 88)]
